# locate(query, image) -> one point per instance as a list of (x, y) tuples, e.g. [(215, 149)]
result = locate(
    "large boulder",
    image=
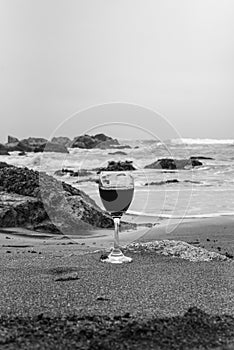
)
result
[(51, 147), (62, 140), (12, 139), (40, 202), (96, 141), (3, 150), (34, 144), (20, 146), (35, 141), (5, 165), (117, 166), (172, 164)]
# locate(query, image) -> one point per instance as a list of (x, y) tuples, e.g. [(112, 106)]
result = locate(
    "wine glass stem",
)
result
[(116, 234)]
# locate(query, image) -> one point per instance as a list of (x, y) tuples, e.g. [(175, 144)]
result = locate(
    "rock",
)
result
[(21, 146), (96, 141), (3, 150), (162, 182), (5, 165), (26, 145), (62, 140), (117, 166), (118, 153), (35, 141), (122, 147), (22, 153), (167, 163), (102, 137), (51, 147), (106, 144), (80, 172), (201, 157), (40, 202), (12, 139)]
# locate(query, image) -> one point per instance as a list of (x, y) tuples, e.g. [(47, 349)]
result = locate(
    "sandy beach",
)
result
[(59, 277)]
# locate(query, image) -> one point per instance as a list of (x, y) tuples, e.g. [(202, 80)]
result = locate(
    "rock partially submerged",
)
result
[(5, 165), (169, 163), (201, 157), (62, 140), (51, 147), (40, 202), (3, 150), (178, 249), (94, 141), (34, 144), (118, 166), (157, 183), (80, 172), (118, 153)]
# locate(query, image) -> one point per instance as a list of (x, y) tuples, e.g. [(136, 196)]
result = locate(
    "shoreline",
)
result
[(214, 234)]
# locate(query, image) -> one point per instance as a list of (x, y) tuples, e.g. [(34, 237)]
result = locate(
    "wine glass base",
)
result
[(117, 259)]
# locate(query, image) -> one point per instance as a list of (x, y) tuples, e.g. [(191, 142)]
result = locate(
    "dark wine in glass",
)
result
[(116, 191)]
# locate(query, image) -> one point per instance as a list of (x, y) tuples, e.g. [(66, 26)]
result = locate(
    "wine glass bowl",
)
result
[(116, 189)]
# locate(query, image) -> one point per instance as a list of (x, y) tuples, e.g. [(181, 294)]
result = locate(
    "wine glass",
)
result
[(116, 190)]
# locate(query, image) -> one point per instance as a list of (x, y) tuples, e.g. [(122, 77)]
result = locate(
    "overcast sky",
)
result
[(173, 56)]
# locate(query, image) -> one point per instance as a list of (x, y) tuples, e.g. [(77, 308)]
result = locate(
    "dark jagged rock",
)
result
[(96, 141), (80, 172), (3, 150), (22, 153), (122, 147), (162, 182), (39, 201), (62, 140), (35, 141), (168, 163), (20, 146), (12, 139), (118, 153), (117, 166), (201, 157), (33, 144), (5, 165), (107, 144), (51, 147)]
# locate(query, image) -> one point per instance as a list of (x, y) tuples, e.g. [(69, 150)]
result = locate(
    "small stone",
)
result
[(103, 257), (102, 299)]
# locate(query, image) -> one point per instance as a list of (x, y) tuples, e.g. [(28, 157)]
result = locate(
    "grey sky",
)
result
[(174, 56)]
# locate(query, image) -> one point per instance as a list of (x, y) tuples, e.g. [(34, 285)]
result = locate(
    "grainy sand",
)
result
[(60, 277)]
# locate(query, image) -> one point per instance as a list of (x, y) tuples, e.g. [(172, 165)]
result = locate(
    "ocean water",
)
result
[(204, 191)]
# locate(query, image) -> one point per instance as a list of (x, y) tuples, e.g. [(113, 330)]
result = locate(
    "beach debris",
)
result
[(102, 298), (69, 277), (178, 249), (228, 255), (103, 257)]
